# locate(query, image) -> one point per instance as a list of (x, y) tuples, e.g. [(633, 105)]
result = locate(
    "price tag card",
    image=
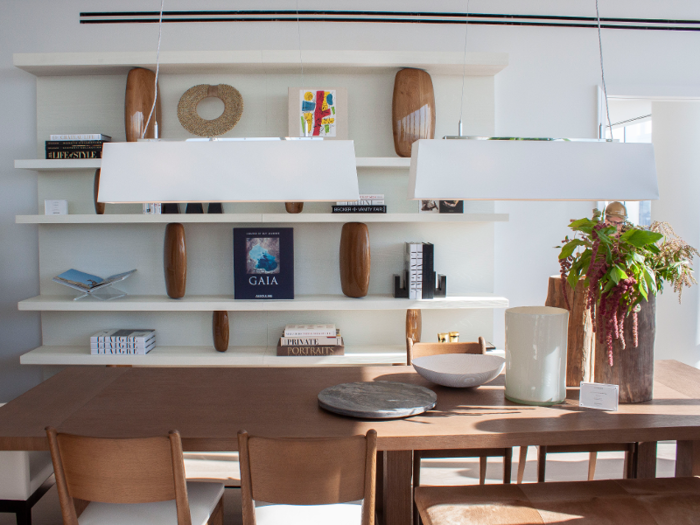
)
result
[(599, 396)]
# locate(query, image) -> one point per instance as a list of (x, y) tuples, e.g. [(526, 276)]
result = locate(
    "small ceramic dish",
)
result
[(459, 370)]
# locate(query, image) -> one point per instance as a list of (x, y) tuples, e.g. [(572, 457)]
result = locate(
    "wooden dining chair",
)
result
[(308, 480), (96, 477), (415, 350)]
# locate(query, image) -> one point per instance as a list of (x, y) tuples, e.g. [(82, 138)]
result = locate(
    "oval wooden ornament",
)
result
[(99, 206), (138, 102), (294, 207), (414, 325), (220, 330), (412, 109), (355, 259), (175, 260)]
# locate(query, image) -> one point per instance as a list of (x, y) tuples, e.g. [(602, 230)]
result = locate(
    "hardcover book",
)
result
[(86, 282), (263, 263), (359, 209), (311, 350), (311, 330)]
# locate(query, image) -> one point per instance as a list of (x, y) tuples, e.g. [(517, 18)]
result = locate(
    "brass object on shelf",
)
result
[(412, 109), (192, 122), (175, 260), (140, 92), (294, 207), (414, 325), (220, 330), (99, 206), (354, 259), (443, 337), (454, 337)]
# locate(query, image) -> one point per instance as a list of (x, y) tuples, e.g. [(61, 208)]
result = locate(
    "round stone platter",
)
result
[(377, 400)]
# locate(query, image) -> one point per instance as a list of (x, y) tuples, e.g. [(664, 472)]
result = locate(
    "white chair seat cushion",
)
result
[(213, 466), (337, 514), (203, 498)]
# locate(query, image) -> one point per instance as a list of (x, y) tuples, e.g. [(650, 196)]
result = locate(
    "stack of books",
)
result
[(118, 341), (420, 274), (80, 146), (368, 203), (310, 339)]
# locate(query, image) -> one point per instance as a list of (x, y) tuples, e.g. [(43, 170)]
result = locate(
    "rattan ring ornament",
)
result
[(192, 122)]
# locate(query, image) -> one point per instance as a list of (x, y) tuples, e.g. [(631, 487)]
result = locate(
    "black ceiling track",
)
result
[(386, 17)]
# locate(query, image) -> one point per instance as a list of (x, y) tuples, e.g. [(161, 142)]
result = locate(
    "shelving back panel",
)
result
[(95, 104)]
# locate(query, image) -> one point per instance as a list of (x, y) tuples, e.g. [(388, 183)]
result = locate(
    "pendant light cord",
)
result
[(464, 66), (155, 87), (602, 72), (301, 63)]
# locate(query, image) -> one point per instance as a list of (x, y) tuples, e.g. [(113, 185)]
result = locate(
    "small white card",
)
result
[(599, 396), (55, 207)]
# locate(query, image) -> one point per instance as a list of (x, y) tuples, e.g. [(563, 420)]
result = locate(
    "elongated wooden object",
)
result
[(414, 325), (412, 110), (355, 259), (99, 206), (633, 368), (175, 260), (220, 330), (579, 359), (140, 92), (294, 207)]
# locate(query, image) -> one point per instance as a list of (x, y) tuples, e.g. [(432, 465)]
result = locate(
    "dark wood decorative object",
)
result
[(140, 92), (412, 110), (633, 368), (354, 259), (99, 206), (414, 325), (294, 207), (579, 354), (220, 330), (175, 260)]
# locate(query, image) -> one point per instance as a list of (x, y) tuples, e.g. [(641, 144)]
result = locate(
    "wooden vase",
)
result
[(140, 92), (579, 352), (633, 368), (354, 259), (220, 330), (175, 260), (412, 109), (99, 206), (294, 207), (414, 325)]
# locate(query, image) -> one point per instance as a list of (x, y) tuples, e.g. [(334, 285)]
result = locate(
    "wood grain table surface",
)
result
[(209, 406)]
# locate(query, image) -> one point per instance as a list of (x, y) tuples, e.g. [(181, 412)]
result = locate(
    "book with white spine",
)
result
[(82, 136), (309, 330)]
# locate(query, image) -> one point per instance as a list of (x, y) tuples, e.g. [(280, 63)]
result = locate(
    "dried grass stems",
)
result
[(192, 122), (675, 258)]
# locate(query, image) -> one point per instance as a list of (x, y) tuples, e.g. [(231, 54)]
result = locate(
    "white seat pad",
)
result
[(203, 498), (337, 514), (213, 466)]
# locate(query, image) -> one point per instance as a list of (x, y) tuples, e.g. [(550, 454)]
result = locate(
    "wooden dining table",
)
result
[(210, 405)]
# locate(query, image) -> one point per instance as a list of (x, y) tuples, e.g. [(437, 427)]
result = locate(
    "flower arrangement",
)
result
[(621, 265)]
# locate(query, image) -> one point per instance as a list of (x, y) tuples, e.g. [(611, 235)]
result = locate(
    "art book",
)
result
[(263, 263), (86, 282)]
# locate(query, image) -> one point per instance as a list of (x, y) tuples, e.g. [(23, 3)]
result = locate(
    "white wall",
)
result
[(549, 89)]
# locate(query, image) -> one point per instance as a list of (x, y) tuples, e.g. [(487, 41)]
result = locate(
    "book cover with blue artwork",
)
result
[(263, 263)]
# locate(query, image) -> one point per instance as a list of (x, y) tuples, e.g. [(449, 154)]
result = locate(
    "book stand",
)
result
[(103, 293)]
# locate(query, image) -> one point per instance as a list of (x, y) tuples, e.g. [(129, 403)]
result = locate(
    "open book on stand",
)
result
[(92, 285)]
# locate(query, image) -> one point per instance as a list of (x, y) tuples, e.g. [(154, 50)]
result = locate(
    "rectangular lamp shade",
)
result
[(532, 170), (229, 171)]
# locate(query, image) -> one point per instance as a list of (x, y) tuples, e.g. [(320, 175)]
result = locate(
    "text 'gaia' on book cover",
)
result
[(263, 263)]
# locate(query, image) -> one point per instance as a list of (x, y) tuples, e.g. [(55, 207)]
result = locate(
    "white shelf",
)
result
[(245, 218), (58, 165), (207, 356), (194, 303), (92, 164), (269, 61)]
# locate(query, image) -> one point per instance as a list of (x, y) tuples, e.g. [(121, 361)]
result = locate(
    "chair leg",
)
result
[(541, 463), (521, 463), (416, 483), (482, 470), (24, 516), (592, 459), (507, 465)]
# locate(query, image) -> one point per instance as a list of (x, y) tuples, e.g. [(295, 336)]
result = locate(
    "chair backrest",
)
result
[(140, 470), (414, 350), (308, 471)]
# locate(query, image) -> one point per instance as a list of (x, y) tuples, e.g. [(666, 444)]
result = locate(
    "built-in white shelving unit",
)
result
[(373, 327)]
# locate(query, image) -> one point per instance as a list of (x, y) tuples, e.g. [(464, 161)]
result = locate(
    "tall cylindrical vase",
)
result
[(536, 338), (175, 260), (355, 259), (633, 367), (140, 93)]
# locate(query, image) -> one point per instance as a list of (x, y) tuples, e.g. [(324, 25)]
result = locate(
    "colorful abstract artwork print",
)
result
[(317, 113)]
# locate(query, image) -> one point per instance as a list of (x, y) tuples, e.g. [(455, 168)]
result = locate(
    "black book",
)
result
[(428, 271), (451, 206), (374, 208), (263, 263), (74, 154)]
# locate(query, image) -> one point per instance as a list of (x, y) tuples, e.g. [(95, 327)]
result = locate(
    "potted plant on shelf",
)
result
[(623, 267)]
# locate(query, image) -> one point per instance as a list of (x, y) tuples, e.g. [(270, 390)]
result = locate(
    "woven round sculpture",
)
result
[(192, 122)]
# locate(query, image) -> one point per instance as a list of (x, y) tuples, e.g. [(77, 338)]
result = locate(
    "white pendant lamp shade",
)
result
[(229, 171), (532, 170)]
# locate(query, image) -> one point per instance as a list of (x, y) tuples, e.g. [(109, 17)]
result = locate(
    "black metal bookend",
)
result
[(215, 207), (400, 293), (170, 207), (194, 207), (441, 288)]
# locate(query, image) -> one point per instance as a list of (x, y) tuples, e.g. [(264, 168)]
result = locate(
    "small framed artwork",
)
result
[(318, 112), (427, 206)]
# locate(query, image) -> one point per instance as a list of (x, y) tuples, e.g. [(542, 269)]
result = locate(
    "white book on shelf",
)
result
[(309, 330), (82, 136)]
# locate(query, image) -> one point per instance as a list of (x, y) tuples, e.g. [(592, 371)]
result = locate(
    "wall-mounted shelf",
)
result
[(207, 356), (247, 218), (162, 303), (268, 61), (92, 164)]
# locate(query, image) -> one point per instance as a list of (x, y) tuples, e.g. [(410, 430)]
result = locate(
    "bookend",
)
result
[(215, 207), (170, 207), (441, 288), (402, 292), (193, 207)]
